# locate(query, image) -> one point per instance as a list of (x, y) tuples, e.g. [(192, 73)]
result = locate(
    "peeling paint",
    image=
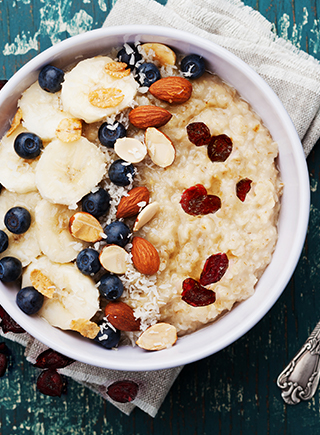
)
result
[(53, 23)]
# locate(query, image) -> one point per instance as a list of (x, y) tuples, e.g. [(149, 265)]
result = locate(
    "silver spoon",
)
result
[(300, 379)]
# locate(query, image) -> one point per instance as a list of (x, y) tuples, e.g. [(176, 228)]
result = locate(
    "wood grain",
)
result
[(232, 392)]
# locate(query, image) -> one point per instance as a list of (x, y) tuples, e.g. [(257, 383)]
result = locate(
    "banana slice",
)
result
[(41, 111), (75, 295), (55, 240), (68, 171), (87, 87), (16, 174), (23, 246)]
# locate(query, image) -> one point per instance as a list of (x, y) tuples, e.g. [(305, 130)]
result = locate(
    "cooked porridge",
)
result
[(201, 204)]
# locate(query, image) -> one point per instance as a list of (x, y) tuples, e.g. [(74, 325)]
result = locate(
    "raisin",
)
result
[(123, 391), (219, 148), (51, 383), (195, 201), (8, 324), (194, 294), (50, 359), (242, 188), (2, 83), (198, 133), (214, 269)]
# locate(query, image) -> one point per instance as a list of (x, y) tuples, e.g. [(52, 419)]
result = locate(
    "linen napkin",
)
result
[(293, 75)]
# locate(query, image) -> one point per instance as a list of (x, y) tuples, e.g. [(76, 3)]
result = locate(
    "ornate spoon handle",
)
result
[(299, 380)]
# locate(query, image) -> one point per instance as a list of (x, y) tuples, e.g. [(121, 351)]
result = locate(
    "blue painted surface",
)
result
[(232, 392)]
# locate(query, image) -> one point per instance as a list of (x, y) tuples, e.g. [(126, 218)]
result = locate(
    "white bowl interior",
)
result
[(293, 216)]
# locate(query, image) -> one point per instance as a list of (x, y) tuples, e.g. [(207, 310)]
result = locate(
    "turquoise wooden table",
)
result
[(232, 392)]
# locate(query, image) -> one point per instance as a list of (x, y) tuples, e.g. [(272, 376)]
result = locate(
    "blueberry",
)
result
[(88, 261), (109, 133), (147, 73), (130, 55), (29, 300), (27, 145), (50, 78), (117, 233), (10, 269), (4, 241), (108, 336), (97, 203), (192, 66), (17, 220), (111, 287), (121, 173)]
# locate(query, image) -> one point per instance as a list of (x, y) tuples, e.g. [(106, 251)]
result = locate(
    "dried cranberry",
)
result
[(123, 391), (242, 188), (3, 364), (50, 383), (194, 294), (198, 133), (8, 324), (196, 201), (214, 269), (2, 83), (219, 148), (50, 359)]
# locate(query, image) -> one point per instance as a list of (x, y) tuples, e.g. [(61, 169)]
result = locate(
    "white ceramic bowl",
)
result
[(294, 207)]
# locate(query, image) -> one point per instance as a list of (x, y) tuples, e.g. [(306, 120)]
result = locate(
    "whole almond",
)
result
[(157, 337), (145, 257), (131, 205), (172, 89), (121, 316), (149, 116)]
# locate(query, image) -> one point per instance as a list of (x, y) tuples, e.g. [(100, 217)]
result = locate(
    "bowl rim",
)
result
[(293, 257)]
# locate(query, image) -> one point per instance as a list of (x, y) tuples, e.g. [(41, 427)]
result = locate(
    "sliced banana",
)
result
[(41, 111), (89, 78), (16, 174), (23, 246), (55, 240), (75, 296), (67, 172)]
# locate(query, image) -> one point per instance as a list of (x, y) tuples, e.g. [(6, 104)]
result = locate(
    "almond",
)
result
[(146, 215), (172, 89), (121, 316), (157, 337), (113, 258), (160, 52), (85, 227), (160, 147), (130, 149), (149, 116), (145, 257), (131, 205)]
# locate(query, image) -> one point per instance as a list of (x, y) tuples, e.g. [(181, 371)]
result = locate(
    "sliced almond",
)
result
[(106, 97), (86, 328), (113, 258), (146, 215), (69, 129), (160, 148), (85, 227), (42, 283), (15, 122), (130, 149), (157, 337), (117, 70), (160, 52)]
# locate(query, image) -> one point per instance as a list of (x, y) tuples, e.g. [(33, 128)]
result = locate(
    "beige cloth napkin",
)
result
[(292, 74)]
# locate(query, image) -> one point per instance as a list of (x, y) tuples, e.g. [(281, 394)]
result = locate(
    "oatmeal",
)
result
[(155, 196)]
